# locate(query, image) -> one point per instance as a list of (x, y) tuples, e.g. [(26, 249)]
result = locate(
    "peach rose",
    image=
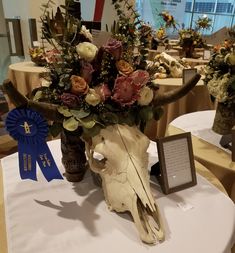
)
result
[(79, 85), (124, 67)]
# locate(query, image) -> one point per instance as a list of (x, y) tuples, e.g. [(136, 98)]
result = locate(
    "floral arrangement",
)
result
[(190, 36), (41, 57), (220, 78), (95, 87), (161, 33), (203, 23), (168, 19), (37, 56)]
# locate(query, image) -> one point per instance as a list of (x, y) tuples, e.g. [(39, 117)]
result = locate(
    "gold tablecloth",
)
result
[(213, 158), (25, 76), (197, 99)]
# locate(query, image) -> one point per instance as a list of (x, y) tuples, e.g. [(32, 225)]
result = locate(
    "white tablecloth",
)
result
[(72, 217), (200, 125)]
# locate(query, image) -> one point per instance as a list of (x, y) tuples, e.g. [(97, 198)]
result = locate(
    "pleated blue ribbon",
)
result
[(30, 130)]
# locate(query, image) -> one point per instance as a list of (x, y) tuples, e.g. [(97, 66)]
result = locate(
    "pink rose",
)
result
[(126, 92), (86, 72), (114, 47), (140, 77), (104, 91)]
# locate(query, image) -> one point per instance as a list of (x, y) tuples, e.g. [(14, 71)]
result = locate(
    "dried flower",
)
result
[(114, 47), (87, 51), (79, 85), (146, 96), (104, 91), (92, 97), (140, 77), (70, 100), (86, 33), (126, 92), (124, 67), (86, 71)]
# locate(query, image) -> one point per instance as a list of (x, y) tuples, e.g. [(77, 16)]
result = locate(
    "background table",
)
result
[(69, 217), (196, 100), (206, 146), (25, 76)]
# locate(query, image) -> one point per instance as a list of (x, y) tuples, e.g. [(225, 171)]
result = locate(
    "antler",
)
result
[(171, 96), (49, 111)]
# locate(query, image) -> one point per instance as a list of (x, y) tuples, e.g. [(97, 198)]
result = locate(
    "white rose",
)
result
[(44, 82), (86, 51), (218, 87), (86, 33), (146, 96), (92, 98)]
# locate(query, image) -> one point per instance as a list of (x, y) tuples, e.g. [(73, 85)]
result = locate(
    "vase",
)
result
[(224, 118), (188, 48), (73, 156)]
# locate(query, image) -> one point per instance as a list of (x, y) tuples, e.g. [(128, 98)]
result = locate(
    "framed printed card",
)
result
[(188, 74), (206, 54), (177, 169)]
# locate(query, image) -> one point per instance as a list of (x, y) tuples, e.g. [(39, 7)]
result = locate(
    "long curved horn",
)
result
[(171, 96), (49, 111)]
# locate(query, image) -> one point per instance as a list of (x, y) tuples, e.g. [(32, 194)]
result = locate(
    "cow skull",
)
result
[(125, 178)]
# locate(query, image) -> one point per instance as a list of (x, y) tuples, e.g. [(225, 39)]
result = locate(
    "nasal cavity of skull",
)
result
[(99, 157)]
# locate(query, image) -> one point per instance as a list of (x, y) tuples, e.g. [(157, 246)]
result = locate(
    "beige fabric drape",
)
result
[(197, 99), (25, 76)]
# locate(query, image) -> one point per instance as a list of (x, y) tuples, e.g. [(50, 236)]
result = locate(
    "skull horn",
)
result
[(171, 96), (49, 111)]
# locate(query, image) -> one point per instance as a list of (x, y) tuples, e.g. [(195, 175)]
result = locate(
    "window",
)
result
[(220, 11)]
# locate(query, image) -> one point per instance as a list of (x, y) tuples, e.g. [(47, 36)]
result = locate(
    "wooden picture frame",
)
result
[(206, 54), (188, 74), (177, 168)]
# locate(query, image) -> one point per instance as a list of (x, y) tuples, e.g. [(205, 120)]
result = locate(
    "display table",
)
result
[(25, 76), (206, 146), (72, 217), (194, 62), (197, 99)]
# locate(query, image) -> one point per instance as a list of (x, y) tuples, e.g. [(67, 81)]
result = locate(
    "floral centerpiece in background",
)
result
[(37, 55), (168, 21), (190, 38), (220, 80)]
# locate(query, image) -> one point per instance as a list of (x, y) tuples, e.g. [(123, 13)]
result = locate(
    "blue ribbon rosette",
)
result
[(30, 129)]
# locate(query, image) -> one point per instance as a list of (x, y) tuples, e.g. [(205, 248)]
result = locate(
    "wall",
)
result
[(25, 9), (18, 9)]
